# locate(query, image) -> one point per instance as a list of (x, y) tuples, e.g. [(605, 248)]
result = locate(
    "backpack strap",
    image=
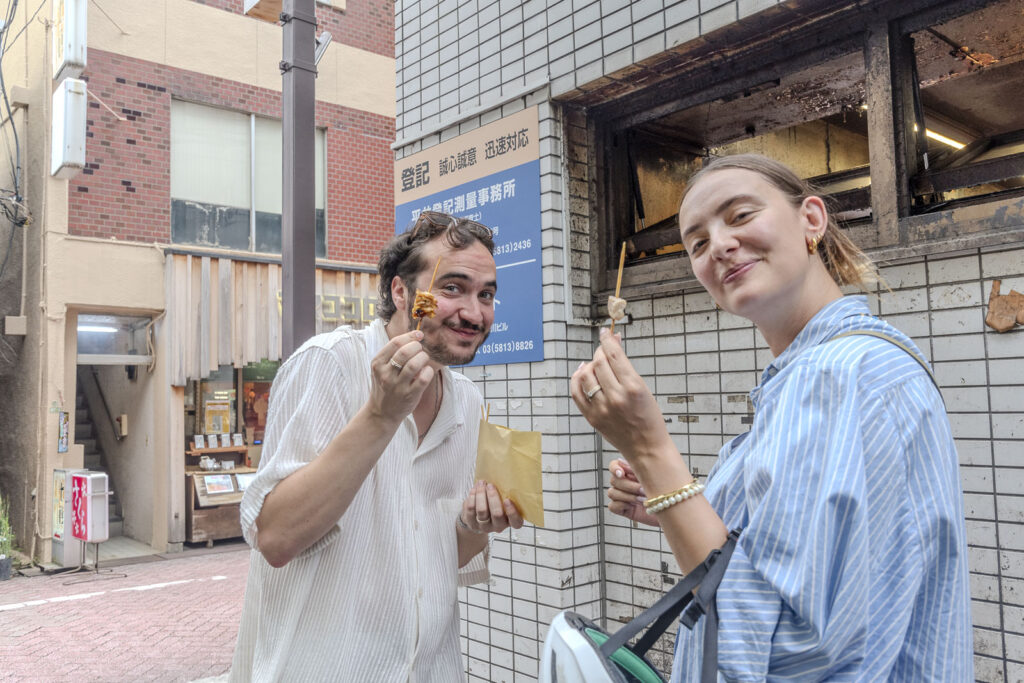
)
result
[(894, 341), (705, 578)]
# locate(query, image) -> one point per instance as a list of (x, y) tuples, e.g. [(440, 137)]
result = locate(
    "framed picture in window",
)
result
[(219, 483), (199, 442)]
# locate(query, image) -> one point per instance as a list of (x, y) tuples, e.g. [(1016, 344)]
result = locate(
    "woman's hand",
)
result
[(617, 402), (627, 495), (484, 510)]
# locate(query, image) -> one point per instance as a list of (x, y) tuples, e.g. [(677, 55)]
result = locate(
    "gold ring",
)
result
[(396, 365), (589, 393)]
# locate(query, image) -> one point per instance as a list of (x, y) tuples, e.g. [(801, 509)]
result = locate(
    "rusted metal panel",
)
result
[(977, 173)]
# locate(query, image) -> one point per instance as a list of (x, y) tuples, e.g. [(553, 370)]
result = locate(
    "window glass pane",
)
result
[(210, 181), (268, 166), (321, 175), (112, 334), (269, 160), (209, 155), (256, 380), (217, 402)]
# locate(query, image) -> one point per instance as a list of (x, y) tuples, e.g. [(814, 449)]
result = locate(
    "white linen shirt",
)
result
[(376, 597)]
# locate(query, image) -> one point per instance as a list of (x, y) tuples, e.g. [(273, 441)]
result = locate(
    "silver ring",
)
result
[(395, 364), (589, 393)]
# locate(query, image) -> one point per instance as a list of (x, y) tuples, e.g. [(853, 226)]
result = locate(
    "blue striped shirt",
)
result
[(852, 564)]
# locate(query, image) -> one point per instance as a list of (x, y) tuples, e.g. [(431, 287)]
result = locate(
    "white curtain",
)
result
[(210, 157)]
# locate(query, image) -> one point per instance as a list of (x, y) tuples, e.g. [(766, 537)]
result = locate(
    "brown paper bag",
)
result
[(510, 460)]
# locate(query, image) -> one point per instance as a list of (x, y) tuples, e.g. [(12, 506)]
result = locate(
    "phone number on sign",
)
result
[(505, 347), (510, 247)]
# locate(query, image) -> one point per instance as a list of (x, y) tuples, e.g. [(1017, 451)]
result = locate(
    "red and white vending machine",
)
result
[(89, 512)]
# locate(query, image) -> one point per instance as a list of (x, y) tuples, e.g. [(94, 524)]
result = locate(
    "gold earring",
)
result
[(813, 246)]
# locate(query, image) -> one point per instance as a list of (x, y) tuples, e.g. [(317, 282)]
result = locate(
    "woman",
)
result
[(851, 564)]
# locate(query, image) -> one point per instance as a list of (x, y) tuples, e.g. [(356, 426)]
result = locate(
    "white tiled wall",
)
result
[(456, 58), (940, 302), (455, 55)]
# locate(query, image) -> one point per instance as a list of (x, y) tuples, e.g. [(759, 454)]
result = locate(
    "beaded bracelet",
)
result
[(659, 503)]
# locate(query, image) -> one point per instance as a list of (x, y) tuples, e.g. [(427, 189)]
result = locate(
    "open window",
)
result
[(969, 125), (812, 118), (114, 340)]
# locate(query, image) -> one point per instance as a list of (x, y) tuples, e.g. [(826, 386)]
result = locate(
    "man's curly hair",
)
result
[(403, 255)]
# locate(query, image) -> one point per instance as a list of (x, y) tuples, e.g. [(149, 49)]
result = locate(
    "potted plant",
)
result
[(6, 542)]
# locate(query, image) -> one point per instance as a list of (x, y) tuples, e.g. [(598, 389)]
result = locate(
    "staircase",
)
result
[(85, 434)]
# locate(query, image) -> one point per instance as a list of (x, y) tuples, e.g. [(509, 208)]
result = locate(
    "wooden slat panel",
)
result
[(204, 314), (274, 320), (175, 348), (226, 319), (238, 309), (318, 315), (221, 312), (260, 329), (214, 356), (331, 305), (196, 368), (249, 346), (187, 324)]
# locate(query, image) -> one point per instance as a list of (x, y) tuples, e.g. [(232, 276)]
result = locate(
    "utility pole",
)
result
[(298, 217)]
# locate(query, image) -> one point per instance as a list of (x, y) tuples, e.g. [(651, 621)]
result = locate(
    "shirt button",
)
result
[(420, 593), (416, 525)]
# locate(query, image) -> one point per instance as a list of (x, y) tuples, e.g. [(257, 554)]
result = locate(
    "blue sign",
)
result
[(508, 202)]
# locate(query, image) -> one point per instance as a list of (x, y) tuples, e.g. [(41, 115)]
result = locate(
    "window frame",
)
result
[(252, 117), (893, 231)]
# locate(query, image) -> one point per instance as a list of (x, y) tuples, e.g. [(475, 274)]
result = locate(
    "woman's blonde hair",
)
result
[(843, 259)]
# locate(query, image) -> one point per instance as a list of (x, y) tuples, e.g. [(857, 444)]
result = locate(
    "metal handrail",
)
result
[(103, 400)]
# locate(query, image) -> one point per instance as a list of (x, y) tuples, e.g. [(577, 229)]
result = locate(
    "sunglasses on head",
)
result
[(444, 220)]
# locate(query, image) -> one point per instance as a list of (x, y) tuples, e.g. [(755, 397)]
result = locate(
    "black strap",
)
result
[(705, 578)]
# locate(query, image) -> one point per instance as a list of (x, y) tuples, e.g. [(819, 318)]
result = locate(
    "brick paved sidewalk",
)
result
[(168, 620)]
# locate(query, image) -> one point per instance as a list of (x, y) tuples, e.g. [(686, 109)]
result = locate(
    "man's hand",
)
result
[(400, 374), (484, 510)]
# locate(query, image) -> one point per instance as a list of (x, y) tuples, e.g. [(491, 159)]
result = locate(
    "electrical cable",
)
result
[(15, 162), (18, 34)]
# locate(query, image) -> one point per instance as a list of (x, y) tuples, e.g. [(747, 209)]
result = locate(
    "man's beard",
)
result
[(439, 352)]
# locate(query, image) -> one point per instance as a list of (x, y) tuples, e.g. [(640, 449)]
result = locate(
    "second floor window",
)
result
[(226, 180)]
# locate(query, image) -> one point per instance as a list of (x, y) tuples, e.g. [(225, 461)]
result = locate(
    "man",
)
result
[(359, 510)]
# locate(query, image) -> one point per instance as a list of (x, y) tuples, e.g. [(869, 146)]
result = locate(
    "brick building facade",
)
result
[(182, 180)]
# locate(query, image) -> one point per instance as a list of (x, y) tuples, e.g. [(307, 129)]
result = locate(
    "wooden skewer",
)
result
[(431, 285), (618, 283)]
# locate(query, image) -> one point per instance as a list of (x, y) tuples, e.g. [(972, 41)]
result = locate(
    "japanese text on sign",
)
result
[(457, 162), (468, 201), (506, 143), (417, 176)]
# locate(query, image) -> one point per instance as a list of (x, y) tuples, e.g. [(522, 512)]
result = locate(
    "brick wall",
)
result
[(365, 24), (124, 192)]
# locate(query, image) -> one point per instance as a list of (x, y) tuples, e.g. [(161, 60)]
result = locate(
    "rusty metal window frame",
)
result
[(894, 231)]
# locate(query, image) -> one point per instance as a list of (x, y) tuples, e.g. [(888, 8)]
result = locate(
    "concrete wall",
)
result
[(463, 64), (130, 461)]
